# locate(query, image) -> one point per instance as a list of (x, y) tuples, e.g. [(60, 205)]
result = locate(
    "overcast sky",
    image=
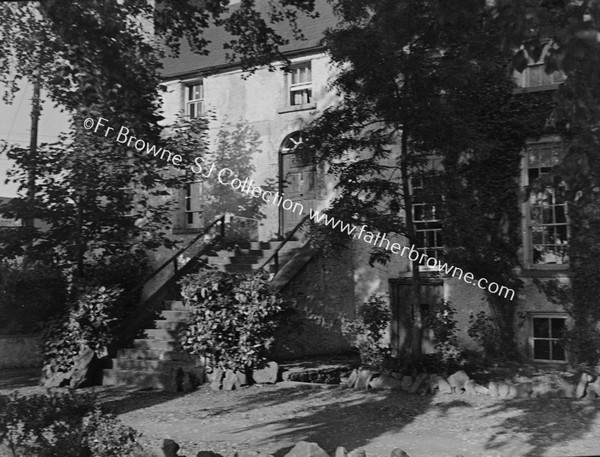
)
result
[(15, 127)]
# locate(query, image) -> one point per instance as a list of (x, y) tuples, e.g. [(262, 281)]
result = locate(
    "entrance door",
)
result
[(301, 183), (404, 310)]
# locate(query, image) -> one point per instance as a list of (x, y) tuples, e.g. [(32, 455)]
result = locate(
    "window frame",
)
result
[(523, 79), (290, 87), (187, 198), (532, 339), (431, 171), (526, 210), (198, 103)]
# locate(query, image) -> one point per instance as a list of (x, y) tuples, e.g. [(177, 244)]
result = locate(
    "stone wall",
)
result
[(323, 293), (20, 351)]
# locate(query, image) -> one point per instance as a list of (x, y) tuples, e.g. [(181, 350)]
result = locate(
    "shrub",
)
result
[(233, 317), (87, 323), (443, 323), (62, 425), (445, 358), (29, 295), (483, 330), (366, 333)]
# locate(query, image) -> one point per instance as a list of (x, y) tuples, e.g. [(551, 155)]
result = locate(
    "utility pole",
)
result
[(36, 109)]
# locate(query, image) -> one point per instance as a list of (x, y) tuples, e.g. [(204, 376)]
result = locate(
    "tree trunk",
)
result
[(416, 332)]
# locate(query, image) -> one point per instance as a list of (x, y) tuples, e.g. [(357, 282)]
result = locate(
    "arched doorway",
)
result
[(300, 180)]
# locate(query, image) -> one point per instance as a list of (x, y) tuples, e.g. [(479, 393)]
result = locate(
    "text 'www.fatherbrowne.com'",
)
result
[(380, 240)]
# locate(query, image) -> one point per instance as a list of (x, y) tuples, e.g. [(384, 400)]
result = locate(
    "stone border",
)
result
[(587, 386)]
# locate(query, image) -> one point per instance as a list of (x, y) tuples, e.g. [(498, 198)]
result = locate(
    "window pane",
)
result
[(557, 327), (558, 352), (534, 75), (541, 349), (541, 327)]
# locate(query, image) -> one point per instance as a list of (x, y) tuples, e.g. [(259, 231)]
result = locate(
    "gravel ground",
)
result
[(272, 418)]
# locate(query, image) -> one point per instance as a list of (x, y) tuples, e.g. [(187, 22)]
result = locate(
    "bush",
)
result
[(447, 356), (87, 323), (483, 330), (233, 317), (62, 425), (29, 295), (366, 333)]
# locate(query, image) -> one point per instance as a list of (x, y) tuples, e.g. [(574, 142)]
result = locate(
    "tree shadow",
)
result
[(541, 423), (353, 422), (17, 378)]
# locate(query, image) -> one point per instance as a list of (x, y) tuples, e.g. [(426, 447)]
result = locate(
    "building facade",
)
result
[(278, 105)]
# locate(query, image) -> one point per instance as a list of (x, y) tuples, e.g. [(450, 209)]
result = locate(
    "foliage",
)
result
[(100, 197), (444, 326), (236, 147), (483, 330), (62, 425), (571, 29), (367, 332), (30, 294), (233, 317), (433, 85), (88, 322)]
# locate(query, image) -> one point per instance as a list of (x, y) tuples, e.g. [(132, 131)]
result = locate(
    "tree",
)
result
[(99, 196), (236, 147), (422, 79)]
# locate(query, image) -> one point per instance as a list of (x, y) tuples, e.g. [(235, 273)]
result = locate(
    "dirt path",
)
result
[(273, 418)]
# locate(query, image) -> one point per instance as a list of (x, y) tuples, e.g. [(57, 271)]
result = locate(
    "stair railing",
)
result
[(275, 256), (174, 260), (147, 305)]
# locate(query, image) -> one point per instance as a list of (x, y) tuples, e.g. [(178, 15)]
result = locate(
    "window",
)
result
[(535, 76), (300, 85), (427, 213), (546, 334), (191, 206), (194, 100), (546, 209)]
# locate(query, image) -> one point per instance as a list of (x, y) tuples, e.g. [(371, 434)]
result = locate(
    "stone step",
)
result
[(173, 326), (122, 363), (140, 379), (234, 260), (150, 354), (162, 334), (240, 268), (175, 305), (179, 315), (156, 345), (178, 379)]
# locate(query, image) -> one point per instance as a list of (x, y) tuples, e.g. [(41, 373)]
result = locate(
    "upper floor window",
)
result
[(300, 85), (427, 212), (194, 100), (535, 76), (546, 209)]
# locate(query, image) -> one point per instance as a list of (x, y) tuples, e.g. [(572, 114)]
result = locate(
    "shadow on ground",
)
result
[(18, 378), (349, 420), (542, 423)]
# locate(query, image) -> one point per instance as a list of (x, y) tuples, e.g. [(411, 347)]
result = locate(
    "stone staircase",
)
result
[(158, 361)]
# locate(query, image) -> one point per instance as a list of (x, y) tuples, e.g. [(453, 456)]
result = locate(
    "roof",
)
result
[(188, 62)]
